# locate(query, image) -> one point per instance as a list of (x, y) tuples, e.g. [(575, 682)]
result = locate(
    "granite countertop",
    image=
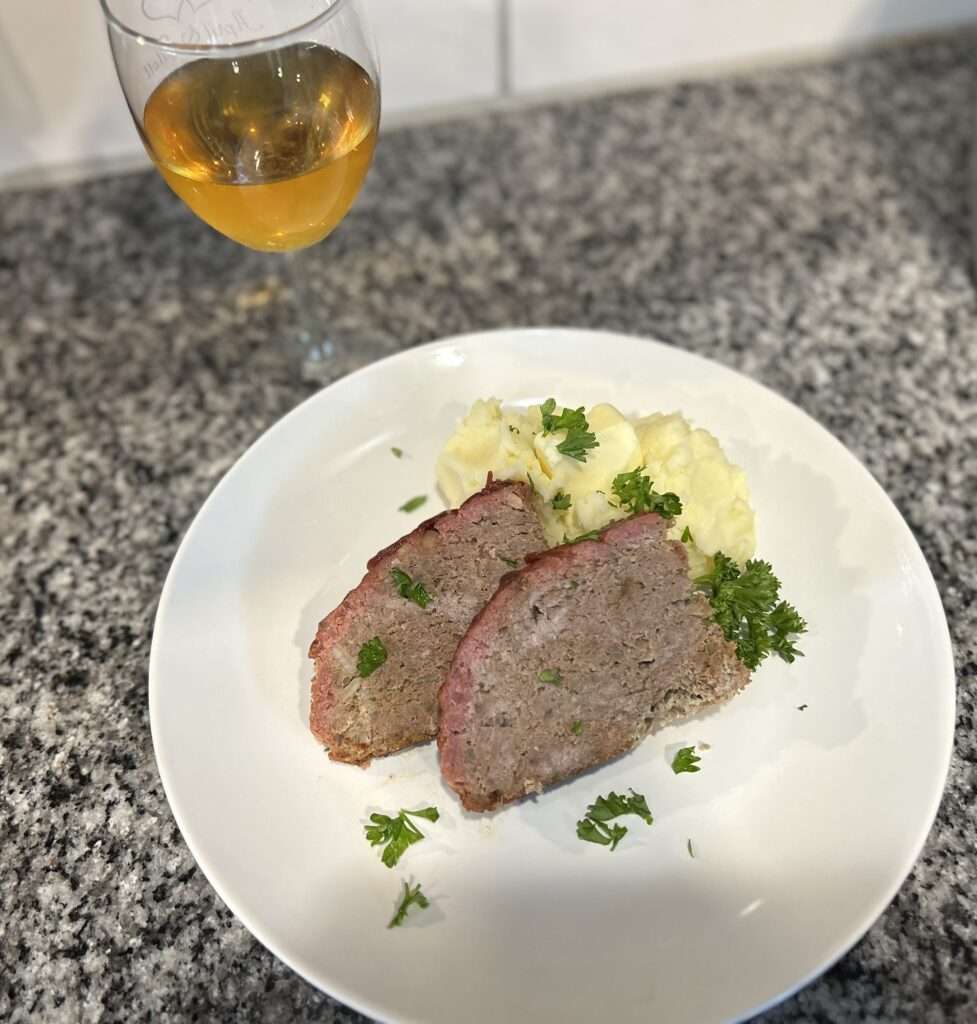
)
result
[(808, 227)]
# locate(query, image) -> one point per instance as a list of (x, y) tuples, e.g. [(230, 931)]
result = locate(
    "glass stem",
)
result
[(315, 348)]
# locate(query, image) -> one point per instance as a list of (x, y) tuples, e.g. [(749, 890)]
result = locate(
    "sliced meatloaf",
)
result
[(575, 659), (365, 710)]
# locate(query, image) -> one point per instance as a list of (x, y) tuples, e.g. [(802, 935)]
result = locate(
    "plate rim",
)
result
[(526, 334)]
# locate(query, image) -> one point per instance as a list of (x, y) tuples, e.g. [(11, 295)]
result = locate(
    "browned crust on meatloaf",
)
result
[(634, 646), (459, 556)]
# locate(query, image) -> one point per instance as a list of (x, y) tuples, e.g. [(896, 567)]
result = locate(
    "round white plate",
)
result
[(803, 822)]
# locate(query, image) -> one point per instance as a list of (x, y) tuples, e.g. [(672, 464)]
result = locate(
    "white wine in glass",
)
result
[(261, 115), (271, 166)]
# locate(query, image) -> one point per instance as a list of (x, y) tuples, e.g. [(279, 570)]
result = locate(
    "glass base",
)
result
[(292, 302), (318, 359)]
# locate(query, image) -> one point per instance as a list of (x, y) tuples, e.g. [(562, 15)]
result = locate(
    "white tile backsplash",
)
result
[(558, 43), (61, 106), (436, 52), (60, 102)]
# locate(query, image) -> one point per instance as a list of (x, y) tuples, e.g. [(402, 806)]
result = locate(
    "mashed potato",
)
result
[(510, 444)]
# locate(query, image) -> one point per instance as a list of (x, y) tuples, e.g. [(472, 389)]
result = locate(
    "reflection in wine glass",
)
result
[(261, 115)]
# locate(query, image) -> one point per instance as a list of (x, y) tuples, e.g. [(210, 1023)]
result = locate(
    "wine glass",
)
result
[(261, 115)]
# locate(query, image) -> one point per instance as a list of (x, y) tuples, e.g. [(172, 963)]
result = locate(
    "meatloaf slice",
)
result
[(576, 658), (459, 558)]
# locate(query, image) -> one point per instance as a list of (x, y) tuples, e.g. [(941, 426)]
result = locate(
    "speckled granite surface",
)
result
[(808, 227)]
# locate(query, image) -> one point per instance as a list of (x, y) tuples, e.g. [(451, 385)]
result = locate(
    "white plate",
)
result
[(804, 823)]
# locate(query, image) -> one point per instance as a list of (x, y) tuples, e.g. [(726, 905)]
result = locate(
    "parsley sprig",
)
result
[(412, 896), (412, 590), (561, 502), (686, 760), (747, 607), (594, 828), (579, 438), (634, 492), (397, 834), (370, 657)]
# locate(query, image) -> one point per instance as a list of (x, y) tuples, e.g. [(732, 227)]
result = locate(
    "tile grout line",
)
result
[(504, 47)]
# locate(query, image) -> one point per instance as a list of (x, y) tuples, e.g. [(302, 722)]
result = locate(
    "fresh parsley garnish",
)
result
[(594, 828), (397, 834), (398, 453), (579, 438), (413, 590), (614, 805), (551, 676), (561, 502), (634, 491), (371, 656), (691, 851), (511, 562), (686, 760), (412, 504), (412, 896), (687, 536), (746, 606), (597, 832), (576, 727), (802, 707)]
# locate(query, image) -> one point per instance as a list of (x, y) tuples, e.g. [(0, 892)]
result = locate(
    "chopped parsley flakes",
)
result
[(412, 504), (561, 502), (589, 535), (410, 589), (412, 896), (686, 761), (371, 656), (594, 828), (551, 676)]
